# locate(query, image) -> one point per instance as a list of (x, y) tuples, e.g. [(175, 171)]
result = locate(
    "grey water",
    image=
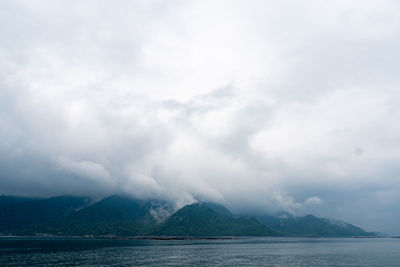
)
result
[(231, 252)]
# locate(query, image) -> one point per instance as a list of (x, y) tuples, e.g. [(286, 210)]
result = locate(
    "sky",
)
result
[(263, 106)]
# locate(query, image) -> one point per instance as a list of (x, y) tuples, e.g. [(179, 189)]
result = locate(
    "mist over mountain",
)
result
[(205, 219), (262, 106), (124, 216)]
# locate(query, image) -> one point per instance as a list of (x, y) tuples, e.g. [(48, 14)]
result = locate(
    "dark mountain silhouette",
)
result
[(113, 215), (8, 200), (126, 216), (25, 217), (208, 219), (311, 226)]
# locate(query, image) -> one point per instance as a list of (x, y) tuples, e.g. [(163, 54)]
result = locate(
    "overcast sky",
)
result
[(261, 105)]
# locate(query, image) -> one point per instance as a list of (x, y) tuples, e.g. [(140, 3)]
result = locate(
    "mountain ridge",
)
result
[(128, 216), (209, 219), (312, 226)]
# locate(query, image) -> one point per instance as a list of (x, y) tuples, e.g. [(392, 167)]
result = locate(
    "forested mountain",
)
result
[(126, 216), (207, 219), (31, 216), (311, 226)]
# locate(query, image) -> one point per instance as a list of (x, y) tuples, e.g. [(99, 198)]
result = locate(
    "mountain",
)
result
[(311, 226), (126, 216), (23, 217), (380, 234), (112, 215), (9, 200), (208, 219)]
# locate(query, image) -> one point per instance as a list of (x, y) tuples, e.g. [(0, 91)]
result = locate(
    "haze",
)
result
[(259, 105)]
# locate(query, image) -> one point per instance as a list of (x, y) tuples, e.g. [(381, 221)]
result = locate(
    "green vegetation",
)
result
[(27, 216), (312, 226), (203, 219), (124, 216)]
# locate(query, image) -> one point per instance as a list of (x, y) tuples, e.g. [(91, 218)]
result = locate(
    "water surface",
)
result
[(234, 252)]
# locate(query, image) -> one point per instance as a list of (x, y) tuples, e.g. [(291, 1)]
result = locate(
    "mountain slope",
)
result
[(31, 216), (112, 215), (312, 226), (205, 219), (125, 216), (10, 200)]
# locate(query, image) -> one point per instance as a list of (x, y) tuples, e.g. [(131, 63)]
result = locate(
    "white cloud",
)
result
[(313, 201), (86, 169), (257, 103)]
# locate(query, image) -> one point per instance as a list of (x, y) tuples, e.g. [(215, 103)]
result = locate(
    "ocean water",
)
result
[(231, 252)]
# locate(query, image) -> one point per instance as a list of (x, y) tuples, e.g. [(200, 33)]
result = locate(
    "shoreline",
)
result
[(166, 238)]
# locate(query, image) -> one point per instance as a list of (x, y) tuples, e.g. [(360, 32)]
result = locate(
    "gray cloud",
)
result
[(261, 105)]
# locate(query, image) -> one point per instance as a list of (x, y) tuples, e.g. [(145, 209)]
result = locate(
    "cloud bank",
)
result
[(255, 104)]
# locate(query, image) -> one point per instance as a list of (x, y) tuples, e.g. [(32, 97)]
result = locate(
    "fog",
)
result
[(259, 105)]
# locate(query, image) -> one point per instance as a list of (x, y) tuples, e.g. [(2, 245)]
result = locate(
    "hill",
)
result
[(27, 217), (116, 215), (9, 200), (311, 226), (126, 216), (207, 219)]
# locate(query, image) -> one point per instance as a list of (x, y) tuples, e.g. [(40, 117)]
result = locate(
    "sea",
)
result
[(33, 251)]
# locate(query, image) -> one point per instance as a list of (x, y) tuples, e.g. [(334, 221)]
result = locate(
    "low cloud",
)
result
[(263, 105), (86, 169)]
